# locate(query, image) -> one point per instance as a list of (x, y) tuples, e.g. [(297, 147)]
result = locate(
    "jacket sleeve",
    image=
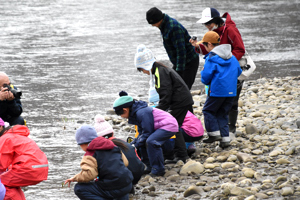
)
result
[(179, 44), (146, 122), (207, 72), (164, 89), (238, 48), (201, 49), (89, 170), (6, 154), (14, 108)]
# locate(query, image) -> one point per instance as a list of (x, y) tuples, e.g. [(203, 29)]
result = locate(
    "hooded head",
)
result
[(102, 127), (144, 58), (85, 134)]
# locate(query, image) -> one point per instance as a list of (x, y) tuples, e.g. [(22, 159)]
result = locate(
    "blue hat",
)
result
[(85, 134)]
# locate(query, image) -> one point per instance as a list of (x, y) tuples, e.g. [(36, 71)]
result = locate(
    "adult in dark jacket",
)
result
[(174, 95), (104, 173), (10, 106), (229, 34), (176, 42)]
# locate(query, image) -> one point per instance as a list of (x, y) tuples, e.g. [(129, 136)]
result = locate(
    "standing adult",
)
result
[(229, 34), (176, 42), (174, 95), (10, 103)]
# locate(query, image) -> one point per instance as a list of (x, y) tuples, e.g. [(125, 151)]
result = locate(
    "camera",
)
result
[(194, 37), (17, 94)]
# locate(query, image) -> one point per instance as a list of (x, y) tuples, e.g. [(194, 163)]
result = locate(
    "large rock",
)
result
[(286, 191), (249, 173), (191, 167), (227, 165), (251, 129), (244, 157), (193, 190)]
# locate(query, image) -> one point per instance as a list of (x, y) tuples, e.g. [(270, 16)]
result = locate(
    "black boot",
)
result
[(232, 117), (224, 144), (212, 139)]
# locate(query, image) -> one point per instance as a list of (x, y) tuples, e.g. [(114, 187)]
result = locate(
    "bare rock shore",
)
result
[(263, 161)]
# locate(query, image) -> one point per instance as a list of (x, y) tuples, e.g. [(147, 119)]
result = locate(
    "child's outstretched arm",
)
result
[(88, 173)]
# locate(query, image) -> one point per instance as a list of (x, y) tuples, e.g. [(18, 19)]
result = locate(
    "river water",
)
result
[(71, 58)]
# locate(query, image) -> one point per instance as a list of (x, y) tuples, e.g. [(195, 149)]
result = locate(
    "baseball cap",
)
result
[(208, 14)]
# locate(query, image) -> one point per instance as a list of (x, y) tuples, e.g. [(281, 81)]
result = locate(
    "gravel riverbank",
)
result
[(263, 161)]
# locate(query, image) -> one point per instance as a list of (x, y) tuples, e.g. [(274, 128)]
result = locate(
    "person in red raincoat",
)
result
[(229, 34), (22, 163)]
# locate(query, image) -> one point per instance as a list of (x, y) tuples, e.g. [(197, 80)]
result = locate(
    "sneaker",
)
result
[(176, 159), (224, 144), (212, 139)]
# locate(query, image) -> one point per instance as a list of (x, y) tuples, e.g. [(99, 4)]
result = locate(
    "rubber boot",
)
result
[(232, 118), (212, 139)]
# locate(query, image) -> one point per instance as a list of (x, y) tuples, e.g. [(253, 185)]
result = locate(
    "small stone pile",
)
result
[(263, 161)]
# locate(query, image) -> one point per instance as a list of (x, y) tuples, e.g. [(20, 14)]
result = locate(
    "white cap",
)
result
[(144, 58), (208, 14)]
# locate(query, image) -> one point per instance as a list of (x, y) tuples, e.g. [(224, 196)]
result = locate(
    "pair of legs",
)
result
[(233, 113), (179, 115), (91, 191), (215, 111), (190, 72), (152, 152)]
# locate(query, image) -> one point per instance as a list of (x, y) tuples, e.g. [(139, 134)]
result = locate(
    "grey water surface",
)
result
[(72, 57)]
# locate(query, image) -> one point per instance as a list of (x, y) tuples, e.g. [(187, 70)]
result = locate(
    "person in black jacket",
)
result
[(10, 106), (174, 95)]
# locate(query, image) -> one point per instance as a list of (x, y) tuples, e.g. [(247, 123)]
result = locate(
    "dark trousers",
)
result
[(188, 138), (233, 113), (215, 111), (190, 72), (91, 191), (152, 152), (179, 115)]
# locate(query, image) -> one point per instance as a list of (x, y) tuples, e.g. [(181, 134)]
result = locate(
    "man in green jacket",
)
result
[(176, 42)]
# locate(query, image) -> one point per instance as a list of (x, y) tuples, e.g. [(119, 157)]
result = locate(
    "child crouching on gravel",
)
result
[(104, 174), (155, 127), (135, 165)]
